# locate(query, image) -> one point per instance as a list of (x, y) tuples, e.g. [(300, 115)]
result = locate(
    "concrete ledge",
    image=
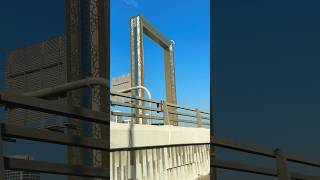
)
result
[(147, 135)]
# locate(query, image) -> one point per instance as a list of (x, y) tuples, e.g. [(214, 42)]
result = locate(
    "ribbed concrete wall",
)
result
[(175, 162)]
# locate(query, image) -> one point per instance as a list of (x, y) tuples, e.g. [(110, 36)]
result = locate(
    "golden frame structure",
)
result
[(138, 27)]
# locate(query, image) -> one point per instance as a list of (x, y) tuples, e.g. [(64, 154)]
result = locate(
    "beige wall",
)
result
[(177, 162)]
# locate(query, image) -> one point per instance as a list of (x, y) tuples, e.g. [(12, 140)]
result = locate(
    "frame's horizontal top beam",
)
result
[(54, 168), (14, 131), (152, 32), (47, 106)]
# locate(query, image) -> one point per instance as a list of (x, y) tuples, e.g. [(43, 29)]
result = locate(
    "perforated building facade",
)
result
[(21, 175), (31, 68)]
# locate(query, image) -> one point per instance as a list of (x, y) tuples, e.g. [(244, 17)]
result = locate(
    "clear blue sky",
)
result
[(185, 22)]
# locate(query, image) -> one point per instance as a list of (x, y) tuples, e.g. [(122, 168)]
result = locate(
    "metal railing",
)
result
[(281, 171), (162, 109), (7, 132)]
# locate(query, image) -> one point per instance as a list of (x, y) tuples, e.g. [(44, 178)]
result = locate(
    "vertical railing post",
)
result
[(198, 118), (213, 174), (165, 113), (1, 154), (282, 170)]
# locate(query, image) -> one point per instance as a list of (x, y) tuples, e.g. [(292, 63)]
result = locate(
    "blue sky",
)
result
[(185, 22)]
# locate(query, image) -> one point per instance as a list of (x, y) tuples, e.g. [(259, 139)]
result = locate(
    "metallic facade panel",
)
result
[(31, 68), (88, 55)]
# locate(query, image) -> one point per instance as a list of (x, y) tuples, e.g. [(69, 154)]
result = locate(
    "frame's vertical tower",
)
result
[(137, 61), (88, 56), (138, 27)]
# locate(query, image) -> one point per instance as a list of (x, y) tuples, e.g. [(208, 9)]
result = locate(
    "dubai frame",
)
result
[(138, 27)]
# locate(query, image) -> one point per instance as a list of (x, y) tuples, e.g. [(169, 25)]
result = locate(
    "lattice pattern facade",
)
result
[(32, 68), (20, 175)]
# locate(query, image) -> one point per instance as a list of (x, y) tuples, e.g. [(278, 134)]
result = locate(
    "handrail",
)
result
[(281, 161), (163, 108), (69, 86), (105, 83)]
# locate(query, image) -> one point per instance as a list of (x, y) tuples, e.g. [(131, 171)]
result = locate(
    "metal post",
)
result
[(198, 118), (282, 169), (1, 156), (165, 113), (213, 175)]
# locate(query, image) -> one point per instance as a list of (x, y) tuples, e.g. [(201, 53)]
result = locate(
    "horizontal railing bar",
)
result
[(181, 107), (156, 146), (298, 176), (235, 166), (54, 168), (186, 108), (69, 86), (134, 115), (204, 112), (185, 121), (304, 161), (50, 107), (203, 117), (20, 132), (260, 151), (134, 106), (243, 167), (182, 114), (241, 147), (190, 121), (134, 97), (156, 102)]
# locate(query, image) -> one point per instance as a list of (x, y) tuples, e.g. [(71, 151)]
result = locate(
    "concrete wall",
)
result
[(174, 162)]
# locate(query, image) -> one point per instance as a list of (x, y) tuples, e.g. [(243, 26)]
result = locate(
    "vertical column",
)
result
[(137, 61), (99, 63), (73, 71), (88, 56), (171, 96)]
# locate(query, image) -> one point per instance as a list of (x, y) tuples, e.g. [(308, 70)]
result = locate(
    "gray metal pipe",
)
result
[(69, 86)]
